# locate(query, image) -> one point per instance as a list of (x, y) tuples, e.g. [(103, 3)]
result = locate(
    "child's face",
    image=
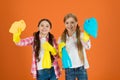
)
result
[(71, 24), (44, 28)]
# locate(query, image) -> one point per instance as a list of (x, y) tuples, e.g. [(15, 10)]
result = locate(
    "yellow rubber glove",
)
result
[(60, 46), (16, 36), (16, 28), (46, 62), (86, 36)]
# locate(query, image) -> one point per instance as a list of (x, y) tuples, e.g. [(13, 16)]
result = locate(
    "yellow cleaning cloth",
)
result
[(60, 46), (16, 28), (46, 62), (17, 25)]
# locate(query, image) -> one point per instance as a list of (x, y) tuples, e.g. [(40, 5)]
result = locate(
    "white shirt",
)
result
[(71, 46), (39, 64)]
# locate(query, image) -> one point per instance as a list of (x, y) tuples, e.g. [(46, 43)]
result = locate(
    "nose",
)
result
[(69, 24), (44, 27)]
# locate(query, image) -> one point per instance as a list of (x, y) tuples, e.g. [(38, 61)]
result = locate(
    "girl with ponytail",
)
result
[(72, 37), (42, 41)]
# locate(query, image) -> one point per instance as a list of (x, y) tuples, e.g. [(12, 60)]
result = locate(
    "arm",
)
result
[(26, 41), (86, 44), (59, 47), (56, 47), (90, 29)]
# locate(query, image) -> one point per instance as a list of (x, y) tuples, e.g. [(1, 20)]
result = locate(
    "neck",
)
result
[(70, 33), (43, 35)]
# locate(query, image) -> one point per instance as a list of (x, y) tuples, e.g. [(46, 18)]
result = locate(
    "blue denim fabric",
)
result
[(46, 74), (73, 73)]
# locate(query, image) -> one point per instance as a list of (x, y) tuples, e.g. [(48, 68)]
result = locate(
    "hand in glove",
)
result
[(85, 37), (16, 36), (48, 47), (16, 29), (90, 28)]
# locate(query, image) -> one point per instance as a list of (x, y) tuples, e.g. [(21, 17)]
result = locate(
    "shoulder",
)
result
[(59, 40)]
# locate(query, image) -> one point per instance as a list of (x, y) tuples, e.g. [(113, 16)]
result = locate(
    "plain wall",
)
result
[(104, 56)]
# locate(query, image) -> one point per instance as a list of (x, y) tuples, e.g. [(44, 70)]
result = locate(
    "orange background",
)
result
[(104, 56)]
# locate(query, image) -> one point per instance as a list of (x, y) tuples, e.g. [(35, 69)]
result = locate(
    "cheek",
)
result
[(39, 29), (48, 30), (75, 28), (74, 25), (67, 27)]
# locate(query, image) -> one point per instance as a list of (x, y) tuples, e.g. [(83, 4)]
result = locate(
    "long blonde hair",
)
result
[(79, 44)]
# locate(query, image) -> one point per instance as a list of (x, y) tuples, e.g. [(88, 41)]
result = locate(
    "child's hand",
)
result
[(85, 37), (16, 28), (47, 46), (16, 36), (91, 27)]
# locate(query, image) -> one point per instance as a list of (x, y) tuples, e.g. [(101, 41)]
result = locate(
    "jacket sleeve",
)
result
[(56, 47), (86, 45), (25, 42)]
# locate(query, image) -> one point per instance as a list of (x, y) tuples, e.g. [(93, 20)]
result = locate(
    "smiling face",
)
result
[(44, 28), (70, 24)]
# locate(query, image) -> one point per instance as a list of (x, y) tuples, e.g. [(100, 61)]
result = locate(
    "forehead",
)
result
[(70, 19), (45, 23)]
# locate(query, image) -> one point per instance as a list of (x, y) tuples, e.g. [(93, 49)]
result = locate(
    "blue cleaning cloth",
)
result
[(91, 27)]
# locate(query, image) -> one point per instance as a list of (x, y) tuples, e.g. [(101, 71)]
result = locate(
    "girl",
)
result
[(37, 40), (75, 47)]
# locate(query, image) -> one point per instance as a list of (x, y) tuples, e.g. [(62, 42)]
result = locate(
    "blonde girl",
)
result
[(75, 47)]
